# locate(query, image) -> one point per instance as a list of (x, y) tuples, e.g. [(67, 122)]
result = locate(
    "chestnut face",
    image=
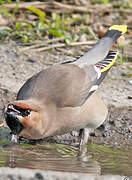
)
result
[(13, 115)]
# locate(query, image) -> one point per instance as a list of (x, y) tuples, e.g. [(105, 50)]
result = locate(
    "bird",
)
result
[(63, 97)]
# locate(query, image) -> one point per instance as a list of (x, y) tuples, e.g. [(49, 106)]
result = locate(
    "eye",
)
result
[(26, 112)]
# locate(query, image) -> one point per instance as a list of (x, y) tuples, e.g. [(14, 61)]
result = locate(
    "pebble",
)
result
[(130, 82)]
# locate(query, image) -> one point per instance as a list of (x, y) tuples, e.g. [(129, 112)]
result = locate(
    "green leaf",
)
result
[(5, 31), (20, 25), (68, 39), (106, 1), (56, 21), (5, 28), (54, 16), (38, 12), (25, 36), (25, 39), (40, 25), (75, 37), (56, 32)]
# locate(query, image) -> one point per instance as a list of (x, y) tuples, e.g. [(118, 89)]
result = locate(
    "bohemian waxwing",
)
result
[(61, 98)]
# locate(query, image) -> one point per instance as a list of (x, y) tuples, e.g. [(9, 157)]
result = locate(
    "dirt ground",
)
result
[(116, 90)]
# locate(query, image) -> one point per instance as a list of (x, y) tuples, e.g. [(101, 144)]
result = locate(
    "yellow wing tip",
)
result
[(121, 28), (111, 64)]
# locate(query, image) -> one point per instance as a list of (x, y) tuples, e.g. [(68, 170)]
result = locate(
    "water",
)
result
[(98, 159)]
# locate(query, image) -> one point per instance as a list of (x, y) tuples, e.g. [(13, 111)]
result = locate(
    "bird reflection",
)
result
[(51, 156)]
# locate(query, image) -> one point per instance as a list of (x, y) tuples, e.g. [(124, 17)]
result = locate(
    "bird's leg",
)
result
[(14, 139), (84, 135)]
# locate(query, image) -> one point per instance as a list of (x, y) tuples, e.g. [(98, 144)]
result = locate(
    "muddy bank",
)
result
[(116, 90)]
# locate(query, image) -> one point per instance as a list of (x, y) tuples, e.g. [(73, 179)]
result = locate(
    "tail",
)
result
[(101, 48)]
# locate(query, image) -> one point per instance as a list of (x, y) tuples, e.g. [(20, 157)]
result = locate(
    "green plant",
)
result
[(5, 1), (100, 1)]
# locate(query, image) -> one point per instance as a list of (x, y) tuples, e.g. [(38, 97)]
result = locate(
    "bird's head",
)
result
[(24, 119)]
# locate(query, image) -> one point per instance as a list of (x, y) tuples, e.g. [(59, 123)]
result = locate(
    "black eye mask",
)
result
[(18, 110), (11, 116)]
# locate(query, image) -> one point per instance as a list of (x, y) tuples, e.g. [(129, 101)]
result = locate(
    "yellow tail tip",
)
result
[(121, 28)]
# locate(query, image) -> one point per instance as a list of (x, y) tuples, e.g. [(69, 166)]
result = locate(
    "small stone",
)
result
[(75, 133), (31, 60), (39, 176), (130, 129), (103, 135), (129, 97), (130, 82), (112, 123), (101, 127), (93, 134), (10, 177)]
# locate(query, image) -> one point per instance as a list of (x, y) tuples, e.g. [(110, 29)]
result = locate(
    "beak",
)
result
[(13, 119), (1, 124)]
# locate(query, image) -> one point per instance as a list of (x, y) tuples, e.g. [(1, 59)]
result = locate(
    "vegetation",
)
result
[(33, 22)]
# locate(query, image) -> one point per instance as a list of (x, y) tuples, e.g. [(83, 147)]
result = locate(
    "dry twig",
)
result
[(61, 7), (42, 44), (24, 5), (63, 45)]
